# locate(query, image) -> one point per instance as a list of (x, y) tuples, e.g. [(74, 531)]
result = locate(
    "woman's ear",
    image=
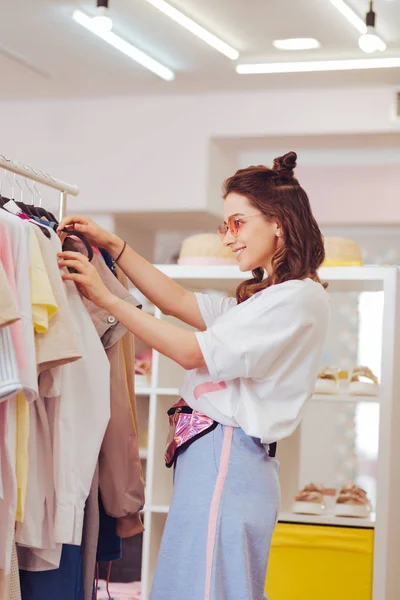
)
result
[(278, 229)]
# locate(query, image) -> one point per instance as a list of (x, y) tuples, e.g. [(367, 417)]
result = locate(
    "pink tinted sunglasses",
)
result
[(234, 225)]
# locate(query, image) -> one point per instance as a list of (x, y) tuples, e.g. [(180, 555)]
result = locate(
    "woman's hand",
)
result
[(95, 234), (87, 278)]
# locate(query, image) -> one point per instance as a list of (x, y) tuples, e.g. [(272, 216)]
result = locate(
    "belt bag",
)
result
[(185, 427)]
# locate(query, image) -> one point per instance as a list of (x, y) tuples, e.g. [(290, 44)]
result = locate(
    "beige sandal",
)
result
[(363, 382), (311, 499), (328, 380), (352, 501)]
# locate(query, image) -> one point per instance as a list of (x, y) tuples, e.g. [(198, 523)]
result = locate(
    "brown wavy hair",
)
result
[(277, 194)]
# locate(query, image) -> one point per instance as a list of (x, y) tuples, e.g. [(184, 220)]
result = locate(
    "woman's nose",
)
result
[(228, 239)]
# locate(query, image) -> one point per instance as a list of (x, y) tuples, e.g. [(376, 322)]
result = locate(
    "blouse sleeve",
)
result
[(213, 305), (247, 344)]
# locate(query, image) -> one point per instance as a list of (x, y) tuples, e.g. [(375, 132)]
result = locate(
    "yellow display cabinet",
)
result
[(313, 562)]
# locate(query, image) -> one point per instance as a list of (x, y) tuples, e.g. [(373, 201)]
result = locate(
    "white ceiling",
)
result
[(44, 53)]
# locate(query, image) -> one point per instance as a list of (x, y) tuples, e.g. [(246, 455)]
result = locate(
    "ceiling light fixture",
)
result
[(350, 15), (296, 44), (124, 47), (195, 28), (361, 25), (370, 41), (101, 20), (318, 65)]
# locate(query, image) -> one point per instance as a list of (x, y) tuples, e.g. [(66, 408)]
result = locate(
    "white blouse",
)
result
[(262, 358)]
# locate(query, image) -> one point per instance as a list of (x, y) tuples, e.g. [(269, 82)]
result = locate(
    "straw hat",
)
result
[(205, 249), (340, 252)]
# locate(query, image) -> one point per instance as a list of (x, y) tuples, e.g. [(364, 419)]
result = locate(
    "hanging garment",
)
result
[(15, 256), (61, 343), (64, 583), (9, 376), (109, 543), (121, 483), (120, 477), (44, 308), (14, 249), (37, 529), (74, 393), (55, 343), (44, 305), (123, 494), (8, 502), (131, 524), (7, 262), (8, 309), (90, 537), (10, 588)]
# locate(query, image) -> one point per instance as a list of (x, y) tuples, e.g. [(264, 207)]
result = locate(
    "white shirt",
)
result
[(262, 358)]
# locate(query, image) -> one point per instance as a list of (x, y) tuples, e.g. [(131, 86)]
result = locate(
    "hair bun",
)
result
[(284, 165)]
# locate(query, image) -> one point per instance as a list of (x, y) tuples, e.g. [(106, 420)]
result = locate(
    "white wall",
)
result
[(154, 153)]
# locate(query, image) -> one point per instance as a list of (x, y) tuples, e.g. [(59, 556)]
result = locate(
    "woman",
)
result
[(251, 366)]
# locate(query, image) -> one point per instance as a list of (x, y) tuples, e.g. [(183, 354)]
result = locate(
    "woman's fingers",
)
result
[(73, 260), (73, 222), (68, 255), (73, 264), (77, 277)]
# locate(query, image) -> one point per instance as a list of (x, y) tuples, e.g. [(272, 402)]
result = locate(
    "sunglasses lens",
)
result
[(222, 230), (233, 227)]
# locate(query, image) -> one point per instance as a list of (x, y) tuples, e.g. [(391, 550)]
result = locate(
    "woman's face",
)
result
[(257, 238)]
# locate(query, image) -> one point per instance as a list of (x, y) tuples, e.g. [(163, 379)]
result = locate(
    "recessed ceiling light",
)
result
[(296, 44), (117, 42), (318, 65)]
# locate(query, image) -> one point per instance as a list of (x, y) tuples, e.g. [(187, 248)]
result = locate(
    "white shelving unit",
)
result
[(164, 390)]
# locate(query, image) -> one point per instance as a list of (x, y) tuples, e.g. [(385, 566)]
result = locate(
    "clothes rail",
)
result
[(28, 172)]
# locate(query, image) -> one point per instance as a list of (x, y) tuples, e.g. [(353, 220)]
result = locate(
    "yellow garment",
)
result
[(315, 562), (44, 305), (21, 451)]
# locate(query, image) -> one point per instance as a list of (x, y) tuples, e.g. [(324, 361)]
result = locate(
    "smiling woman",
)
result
[(286, 242), (251, 365)]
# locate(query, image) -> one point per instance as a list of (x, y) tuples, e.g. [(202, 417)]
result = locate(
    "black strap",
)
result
[(80, 235), (272, 449)]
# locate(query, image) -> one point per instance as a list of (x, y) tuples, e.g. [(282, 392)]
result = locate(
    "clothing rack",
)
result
[(28, 172)]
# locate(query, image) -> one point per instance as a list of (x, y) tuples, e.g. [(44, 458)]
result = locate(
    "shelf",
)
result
[(143, 453), (327, 519), (340, 398), (167, 391), (223, 277), (142, 391), (157, 508), (288, 517), (158, 391)]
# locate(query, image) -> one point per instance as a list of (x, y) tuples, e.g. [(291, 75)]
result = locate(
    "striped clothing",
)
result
[(9, 378)]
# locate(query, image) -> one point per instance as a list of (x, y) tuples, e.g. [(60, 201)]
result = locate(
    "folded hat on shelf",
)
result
[(205, 249), (341, 252)]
